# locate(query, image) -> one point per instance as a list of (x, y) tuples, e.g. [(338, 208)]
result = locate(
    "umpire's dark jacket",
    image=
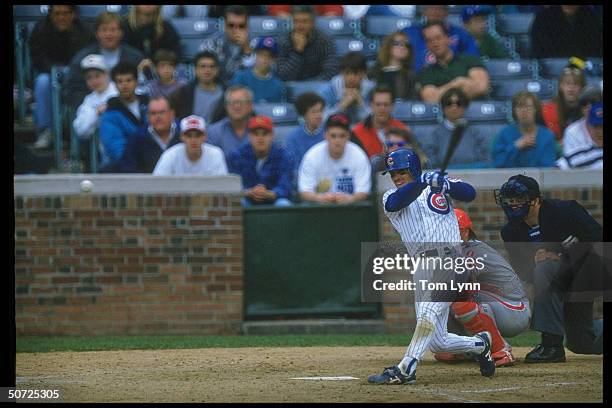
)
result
[(558, 220)]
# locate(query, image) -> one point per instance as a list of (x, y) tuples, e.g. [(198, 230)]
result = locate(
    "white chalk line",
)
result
[(519, 387)]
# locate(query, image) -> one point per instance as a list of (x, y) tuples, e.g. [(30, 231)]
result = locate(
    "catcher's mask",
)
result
[(516, 196)]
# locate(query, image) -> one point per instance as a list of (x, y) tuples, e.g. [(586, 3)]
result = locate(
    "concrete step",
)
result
[(314, 326)]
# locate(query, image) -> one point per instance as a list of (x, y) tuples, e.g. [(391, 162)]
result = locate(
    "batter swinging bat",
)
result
[(460, 126)]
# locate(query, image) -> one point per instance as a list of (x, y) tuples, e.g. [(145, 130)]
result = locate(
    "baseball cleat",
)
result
[(392, 375), (503, 358), (487, 365)]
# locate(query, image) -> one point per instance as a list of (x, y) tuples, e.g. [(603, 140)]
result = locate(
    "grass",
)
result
[(44, 344)]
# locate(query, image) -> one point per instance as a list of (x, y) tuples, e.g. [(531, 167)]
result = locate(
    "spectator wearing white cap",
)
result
[(102, 89), (194, 156), (260, 79)]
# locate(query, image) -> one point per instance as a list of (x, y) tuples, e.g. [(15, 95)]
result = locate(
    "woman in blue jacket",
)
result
[(526, 143)]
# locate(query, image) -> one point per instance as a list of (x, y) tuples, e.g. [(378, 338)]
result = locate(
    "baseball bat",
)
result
[(456, 136)]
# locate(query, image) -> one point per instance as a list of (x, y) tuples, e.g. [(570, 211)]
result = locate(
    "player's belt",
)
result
[(436, 252)]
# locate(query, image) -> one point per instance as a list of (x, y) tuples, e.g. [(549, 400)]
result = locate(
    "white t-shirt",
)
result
[(350, 174), (579, 150), (174, 161), (134, 108)]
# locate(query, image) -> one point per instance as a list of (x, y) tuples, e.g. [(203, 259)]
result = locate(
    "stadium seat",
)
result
[(380, 26), (415, 111), (543, 88), (296, 88), (280, 113), (30, 12), (367, 47), (338, 26), (514, 23), (91, 12), (523, 46), (488, 111), (509, 69), (195, 27), (455, 9), (509, 44), (550, 68), (597, 81), (597, 66), (268, 26), (281, 132), (191, 46)]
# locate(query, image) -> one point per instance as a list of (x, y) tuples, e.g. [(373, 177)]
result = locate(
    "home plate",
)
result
[(326, 378)]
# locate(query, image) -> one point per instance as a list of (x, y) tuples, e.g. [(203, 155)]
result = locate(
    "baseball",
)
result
[(86, 186)]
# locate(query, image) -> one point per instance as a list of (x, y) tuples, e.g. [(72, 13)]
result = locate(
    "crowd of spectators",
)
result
[(121, 80)]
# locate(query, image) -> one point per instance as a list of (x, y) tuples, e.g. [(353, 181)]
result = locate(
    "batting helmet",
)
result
[(463, 218), (518, 187), (404, 158)]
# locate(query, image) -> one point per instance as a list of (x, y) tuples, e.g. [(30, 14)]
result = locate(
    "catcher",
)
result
[(500, 307)]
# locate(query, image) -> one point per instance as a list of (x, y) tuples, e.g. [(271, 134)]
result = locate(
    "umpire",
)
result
[(559, 237)]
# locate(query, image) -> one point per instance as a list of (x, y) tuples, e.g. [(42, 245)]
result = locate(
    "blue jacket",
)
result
[(117, 126), (142, 151), (461, 42), (276, 173), (505, 154)]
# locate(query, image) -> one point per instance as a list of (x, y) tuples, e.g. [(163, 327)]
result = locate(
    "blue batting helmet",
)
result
[(404, 158), (518, 188)]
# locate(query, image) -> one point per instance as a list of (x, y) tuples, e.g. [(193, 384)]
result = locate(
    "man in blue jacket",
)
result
[(266, 168), (558, 237), (124, 115), (144, 150), (461, 42)]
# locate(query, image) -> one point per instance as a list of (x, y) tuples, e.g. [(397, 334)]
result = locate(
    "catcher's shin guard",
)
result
[(475, 320)]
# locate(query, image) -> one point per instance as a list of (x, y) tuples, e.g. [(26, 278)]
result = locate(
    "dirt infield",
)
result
[(265, 375)]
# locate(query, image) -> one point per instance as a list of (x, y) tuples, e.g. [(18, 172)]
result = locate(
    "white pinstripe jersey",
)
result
[(427, 220)]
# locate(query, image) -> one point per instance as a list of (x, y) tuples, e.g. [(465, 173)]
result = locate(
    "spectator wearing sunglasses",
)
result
[(372, 131), (232, 45), (473, 150), (395, 66), (397, 138)]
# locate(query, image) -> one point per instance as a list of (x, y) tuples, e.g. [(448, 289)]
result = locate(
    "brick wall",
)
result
[(488, 218), (137, 261), (128, 264)]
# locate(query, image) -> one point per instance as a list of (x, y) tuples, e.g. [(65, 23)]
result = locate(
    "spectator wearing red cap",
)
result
[(194, 156), (260, 79), (266, 168), (335, 170)]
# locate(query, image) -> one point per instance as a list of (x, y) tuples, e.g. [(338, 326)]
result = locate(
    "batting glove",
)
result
[(426, 177), (439, 183)]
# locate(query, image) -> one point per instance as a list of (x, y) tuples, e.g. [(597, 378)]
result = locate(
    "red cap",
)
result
[(463, 218), (260, 122)]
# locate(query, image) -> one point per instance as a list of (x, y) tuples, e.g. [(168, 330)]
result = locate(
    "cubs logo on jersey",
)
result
[(437, 203)]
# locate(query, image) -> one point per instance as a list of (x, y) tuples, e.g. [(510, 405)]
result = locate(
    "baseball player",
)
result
[(421, 214), (501, 307)]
